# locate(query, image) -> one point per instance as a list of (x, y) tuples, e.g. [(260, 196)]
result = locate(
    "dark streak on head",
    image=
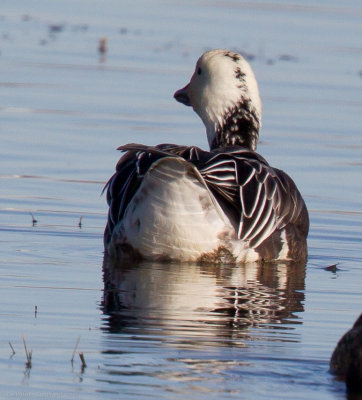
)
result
[(234, 56), (240, 126), (239, 75)]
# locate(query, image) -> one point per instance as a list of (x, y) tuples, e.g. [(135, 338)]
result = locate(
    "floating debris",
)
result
[(102, 47), (81, 356), (27, 353), (75, 349), (34, 221), (12, 349), (56, 28), (288, 57), (332, 268)]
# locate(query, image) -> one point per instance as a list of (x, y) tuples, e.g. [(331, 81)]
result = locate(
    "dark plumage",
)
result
[(240, 128), (346, 360)]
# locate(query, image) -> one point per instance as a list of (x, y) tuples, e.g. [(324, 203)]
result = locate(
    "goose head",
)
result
[(224, 93)]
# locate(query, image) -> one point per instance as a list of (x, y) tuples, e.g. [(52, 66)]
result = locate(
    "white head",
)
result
[(224, 93)]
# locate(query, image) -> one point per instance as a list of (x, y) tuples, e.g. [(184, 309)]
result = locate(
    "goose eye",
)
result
[(199, 71)]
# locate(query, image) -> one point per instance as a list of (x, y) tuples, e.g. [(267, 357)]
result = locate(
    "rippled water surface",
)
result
[(159, 330)]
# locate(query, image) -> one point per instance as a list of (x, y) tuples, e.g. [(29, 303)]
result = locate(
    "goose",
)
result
[(346, 359), (227, 205)]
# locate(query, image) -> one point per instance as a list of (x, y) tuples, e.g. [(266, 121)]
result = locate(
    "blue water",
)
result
[(170, 331)]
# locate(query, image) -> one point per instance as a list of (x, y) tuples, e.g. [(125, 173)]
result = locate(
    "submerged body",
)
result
[(346, 360), (180, 203)]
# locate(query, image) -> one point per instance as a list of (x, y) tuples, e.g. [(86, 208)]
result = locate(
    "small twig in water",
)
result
[(12, 349), (81, 356), (27, 353), (34, 221), (75, 349), (102, 46)]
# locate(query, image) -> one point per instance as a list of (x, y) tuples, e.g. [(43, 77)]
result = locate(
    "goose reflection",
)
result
[(207, 300)]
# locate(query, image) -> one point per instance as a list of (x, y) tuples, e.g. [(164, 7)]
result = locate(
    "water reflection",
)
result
[(219, 303)]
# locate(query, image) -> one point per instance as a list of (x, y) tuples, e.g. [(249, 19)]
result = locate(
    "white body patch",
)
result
[(283, 254), (244, 253), (173, 215)]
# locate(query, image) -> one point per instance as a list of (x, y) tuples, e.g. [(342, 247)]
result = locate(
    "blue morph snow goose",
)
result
[(171, 202)]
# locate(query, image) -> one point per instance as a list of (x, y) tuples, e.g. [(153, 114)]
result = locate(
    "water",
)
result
[(159, 330)]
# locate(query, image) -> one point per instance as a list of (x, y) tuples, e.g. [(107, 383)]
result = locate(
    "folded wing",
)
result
[(257, 199)]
